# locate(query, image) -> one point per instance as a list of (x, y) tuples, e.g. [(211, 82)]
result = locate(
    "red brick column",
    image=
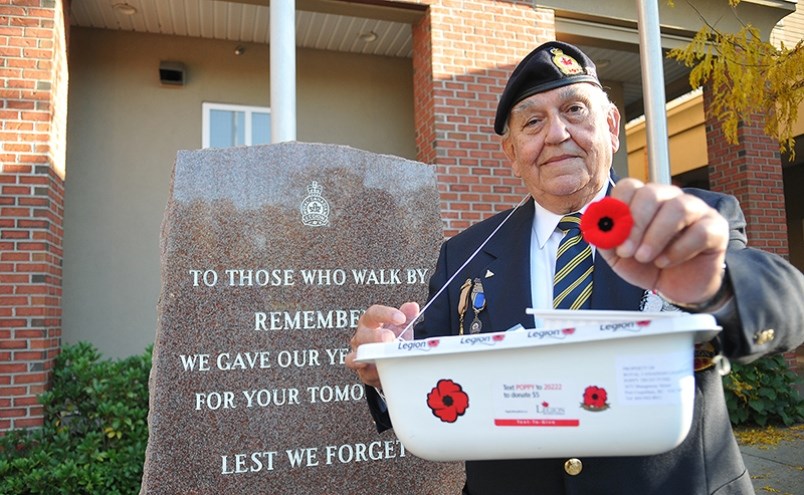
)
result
[(463, 55), (751, 171), (33, 78)]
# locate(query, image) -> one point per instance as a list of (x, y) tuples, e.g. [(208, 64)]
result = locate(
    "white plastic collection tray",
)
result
[(606, 384)]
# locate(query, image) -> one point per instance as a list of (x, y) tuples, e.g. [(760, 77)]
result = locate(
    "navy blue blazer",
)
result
[(768, 291)]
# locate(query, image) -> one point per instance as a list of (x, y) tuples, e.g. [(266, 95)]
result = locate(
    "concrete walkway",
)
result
[(778, 468)]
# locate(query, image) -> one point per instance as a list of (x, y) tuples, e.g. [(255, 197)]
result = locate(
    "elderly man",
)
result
[(559, 131)]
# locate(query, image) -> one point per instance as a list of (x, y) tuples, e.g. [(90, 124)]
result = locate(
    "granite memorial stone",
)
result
[(270, 254)]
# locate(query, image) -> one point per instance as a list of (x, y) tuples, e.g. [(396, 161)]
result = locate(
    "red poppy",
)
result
[(607, 223), (448, 401), (594, 398)]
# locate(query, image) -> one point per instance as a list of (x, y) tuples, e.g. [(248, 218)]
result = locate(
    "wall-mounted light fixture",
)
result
[(368, 37), (240, 50), (125, 8), (603, 62), (172, 73)]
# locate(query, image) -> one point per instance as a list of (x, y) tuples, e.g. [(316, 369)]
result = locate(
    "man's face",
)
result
[(561, 143)]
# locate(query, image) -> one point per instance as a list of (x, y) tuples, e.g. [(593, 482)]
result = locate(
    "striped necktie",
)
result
[(572, 285)]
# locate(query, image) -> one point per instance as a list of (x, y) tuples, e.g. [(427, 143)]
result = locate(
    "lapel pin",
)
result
[(478, 305)]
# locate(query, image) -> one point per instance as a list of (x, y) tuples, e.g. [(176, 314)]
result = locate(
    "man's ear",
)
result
[(613, 121), (510, 152)]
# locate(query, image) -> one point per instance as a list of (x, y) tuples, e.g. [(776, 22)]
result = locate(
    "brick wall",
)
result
[(461, 63), (33, 78)]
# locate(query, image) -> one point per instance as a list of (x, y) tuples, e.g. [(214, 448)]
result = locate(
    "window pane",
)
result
[(226, 128), (260, 128)]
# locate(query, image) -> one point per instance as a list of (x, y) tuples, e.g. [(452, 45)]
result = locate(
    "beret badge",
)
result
[(566, 64)]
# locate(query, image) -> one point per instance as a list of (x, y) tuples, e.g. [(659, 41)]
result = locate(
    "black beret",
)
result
[(551, 65)]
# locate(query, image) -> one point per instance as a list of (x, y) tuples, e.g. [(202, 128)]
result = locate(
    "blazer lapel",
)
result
[(506, 278)]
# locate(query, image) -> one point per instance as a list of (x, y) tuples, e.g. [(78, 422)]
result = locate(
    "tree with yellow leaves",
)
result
[(751, 76)]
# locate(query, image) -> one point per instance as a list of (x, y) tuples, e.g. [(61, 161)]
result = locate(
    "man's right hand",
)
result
[(379, 324)]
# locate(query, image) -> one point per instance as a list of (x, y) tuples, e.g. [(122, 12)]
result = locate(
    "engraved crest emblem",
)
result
[(566, 64), (314, 208)]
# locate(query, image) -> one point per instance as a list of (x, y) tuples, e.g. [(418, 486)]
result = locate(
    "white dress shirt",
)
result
[(544, 241)]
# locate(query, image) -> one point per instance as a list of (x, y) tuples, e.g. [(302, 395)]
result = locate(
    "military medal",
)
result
[(463, 300), (478, 305)]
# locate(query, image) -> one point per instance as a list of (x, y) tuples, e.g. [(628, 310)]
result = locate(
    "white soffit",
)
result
[(241, 22)]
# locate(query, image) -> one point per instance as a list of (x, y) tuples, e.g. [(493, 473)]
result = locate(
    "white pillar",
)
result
[(283, 70), (650, 52)]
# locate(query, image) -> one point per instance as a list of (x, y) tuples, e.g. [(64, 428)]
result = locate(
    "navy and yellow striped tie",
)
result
[(572, 285)]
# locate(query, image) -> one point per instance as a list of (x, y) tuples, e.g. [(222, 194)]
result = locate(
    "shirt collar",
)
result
[(545, 222)]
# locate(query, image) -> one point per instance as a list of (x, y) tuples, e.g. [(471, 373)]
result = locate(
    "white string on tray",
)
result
[(468, 260)]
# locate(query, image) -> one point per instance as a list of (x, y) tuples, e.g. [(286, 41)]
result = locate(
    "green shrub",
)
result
[(94, 434), (763, 392)]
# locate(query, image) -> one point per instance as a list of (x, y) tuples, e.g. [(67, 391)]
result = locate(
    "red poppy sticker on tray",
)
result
[(448, 401), (594, 399), (607, 223)]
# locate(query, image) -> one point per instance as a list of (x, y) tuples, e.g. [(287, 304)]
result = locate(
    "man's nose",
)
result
[(557, 131)]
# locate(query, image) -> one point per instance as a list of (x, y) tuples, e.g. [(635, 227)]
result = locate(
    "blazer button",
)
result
[(573, 466)]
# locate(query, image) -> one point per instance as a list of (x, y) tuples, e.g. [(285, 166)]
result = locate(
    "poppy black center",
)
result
[(447, 400), (595, 397), (605, 224)]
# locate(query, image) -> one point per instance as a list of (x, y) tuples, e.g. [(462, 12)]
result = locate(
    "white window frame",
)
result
[(207, 107)]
